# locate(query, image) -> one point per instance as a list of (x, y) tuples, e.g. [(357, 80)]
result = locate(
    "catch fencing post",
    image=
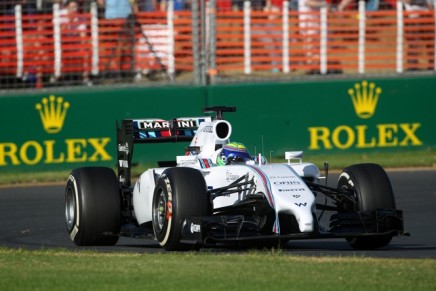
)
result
[(94, 39), (196, 42), (19, 40), (212, 70), (362, 34), (323, 41), (285, 36), (171, 69), (400, 36), (57, 41), (434, 42), (247, 38)]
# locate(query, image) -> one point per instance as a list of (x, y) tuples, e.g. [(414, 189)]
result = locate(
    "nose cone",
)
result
[(305, 221)]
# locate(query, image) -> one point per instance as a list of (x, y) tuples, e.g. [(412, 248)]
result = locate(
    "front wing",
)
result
[(224, 230)]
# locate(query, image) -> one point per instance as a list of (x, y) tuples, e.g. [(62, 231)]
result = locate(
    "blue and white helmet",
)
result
[(232, 153)]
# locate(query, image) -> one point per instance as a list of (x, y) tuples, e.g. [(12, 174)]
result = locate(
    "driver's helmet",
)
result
[(232, 153)]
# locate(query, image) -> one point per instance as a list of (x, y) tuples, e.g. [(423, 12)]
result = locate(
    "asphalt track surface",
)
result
[(32, 217)]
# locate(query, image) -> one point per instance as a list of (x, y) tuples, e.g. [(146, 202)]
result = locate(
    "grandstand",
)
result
[(210, 42)]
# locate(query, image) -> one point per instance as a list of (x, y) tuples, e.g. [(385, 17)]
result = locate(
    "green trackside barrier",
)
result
[(64, 129), (332, 116)]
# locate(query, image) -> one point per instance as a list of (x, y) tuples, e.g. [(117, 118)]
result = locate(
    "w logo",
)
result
[(301, 204)]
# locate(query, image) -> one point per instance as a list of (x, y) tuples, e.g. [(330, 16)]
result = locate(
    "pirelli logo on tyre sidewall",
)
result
[(364, 98), (52, 112)]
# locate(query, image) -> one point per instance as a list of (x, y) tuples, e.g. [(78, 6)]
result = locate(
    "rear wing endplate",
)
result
[(134, 131)]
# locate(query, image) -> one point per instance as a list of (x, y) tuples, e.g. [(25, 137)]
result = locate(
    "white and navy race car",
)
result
[(217, 194)]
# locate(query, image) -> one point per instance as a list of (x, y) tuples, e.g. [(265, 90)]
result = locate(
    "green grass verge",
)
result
[(419, 158), (257, 270)]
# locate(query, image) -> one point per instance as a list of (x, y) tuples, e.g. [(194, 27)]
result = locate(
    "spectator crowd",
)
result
[(74, 23), (122, 8)]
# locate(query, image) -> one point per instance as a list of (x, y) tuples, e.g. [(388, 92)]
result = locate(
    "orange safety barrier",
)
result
[(419, 30), (380, 41), (76, 45), (147, 43), (141, 45), (183, 50)]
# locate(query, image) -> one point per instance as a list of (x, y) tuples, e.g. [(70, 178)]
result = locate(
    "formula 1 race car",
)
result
[(217, 194)]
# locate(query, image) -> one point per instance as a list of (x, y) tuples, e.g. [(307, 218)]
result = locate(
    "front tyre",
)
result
[(179, 193), (372, 189), (92, 206)]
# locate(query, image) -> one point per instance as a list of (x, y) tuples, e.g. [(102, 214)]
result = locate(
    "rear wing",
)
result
[(134, 131)]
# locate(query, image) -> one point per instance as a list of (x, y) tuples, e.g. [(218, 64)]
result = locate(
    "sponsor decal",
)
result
[(287, 182), (292, 190), (156, 124), (124, 164), (205, 163), (231, 177), (123, 148), (52, 112), (207, 128), (301, 204), (169, 204), (281, 177), (195, 228), (168, 210), (364, 96)]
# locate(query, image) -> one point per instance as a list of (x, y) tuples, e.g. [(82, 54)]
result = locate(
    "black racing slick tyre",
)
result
[(180, 192), (93, 206), (372, 189)]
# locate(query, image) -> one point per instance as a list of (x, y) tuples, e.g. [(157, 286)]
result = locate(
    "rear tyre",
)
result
[(92, 206), (179, 193), (372, 189)]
